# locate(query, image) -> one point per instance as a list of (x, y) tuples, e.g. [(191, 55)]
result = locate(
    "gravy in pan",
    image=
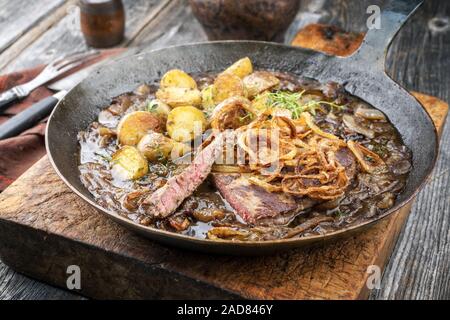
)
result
[(207, 214)]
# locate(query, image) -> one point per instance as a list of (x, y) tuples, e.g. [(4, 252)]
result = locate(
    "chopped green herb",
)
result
[(380, 150), (208, 97), (247, 116), (152, 106), (207, 113), (286, 100), (339, 214), (104, 157), (160, 157), (291, 101)]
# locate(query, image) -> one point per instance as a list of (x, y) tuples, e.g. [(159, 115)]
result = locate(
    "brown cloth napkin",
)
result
[(19, 153)]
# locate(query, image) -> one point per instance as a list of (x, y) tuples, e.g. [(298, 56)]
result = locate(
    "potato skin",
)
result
[(129, 164), (241, 68), (183, 123), (260, 81), (176, 97), (136, 124), (177, 78), (228, 85)]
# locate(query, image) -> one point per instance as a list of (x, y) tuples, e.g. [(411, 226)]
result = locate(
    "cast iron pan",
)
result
[(362, 74)]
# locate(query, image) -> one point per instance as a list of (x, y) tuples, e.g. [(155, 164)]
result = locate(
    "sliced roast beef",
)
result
[(256, 205), (164, 201)]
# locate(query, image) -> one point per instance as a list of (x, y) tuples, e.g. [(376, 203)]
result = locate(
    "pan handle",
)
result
[(374, 47)]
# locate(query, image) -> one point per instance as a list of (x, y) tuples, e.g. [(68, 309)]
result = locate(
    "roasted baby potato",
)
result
[(185, 123), (129, 164), (260, 81), (136, 124), (176, 97), (178, 79), (240, 68), (155, 146), (228, 85)]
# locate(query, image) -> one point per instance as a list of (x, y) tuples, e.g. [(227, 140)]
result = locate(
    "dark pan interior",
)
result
[(82, 105)]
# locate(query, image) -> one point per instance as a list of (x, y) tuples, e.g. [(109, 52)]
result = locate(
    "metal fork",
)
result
[(50, 72)]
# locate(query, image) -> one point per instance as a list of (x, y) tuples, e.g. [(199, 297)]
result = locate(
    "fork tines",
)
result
[(68, 62)]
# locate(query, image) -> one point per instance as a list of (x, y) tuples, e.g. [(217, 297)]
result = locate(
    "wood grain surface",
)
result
[(17, 18), (65, 36), (418, 59)]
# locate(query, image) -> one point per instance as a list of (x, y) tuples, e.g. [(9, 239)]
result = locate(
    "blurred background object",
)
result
[(265, 20), (102, 22)]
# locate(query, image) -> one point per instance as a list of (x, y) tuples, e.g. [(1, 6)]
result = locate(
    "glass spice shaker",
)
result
[(102, 22)]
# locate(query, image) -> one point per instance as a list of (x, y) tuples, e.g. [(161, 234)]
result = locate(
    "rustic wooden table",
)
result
[(38, 31)]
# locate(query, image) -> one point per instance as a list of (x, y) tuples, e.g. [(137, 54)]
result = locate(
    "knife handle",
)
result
[(27, 118), (6, 98)]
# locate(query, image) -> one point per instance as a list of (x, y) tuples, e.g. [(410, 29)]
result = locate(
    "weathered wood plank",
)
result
[(173, 26), (16, 286), (65, 37), (17, 17), (418, 269), (27, 39)]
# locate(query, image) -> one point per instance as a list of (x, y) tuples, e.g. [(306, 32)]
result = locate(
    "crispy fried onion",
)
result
[(268, 140), (302, 161)]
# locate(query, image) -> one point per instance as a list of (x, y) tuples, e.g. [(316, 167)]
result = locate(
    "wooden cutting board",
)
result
[(44, 228)]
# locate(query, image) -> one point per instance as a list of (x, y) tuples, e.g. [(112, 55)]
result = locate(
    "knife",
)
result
[(38, 111)]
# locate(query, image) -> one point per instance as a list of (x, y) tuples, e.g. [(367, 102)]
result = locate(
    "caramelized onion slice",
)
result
[(309, 121), (232, 113), (227, 233), (228, 168), (265, 185), (369, 113), (351, 123), (361, 153)]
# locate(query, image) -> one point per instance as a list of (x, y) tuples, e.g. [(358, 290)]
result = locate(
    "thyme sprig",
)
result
[(248, 116)]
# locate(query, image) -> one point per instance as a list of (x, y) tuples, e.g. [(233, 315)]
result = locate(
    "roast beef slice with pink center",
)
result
[(256, 205)]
